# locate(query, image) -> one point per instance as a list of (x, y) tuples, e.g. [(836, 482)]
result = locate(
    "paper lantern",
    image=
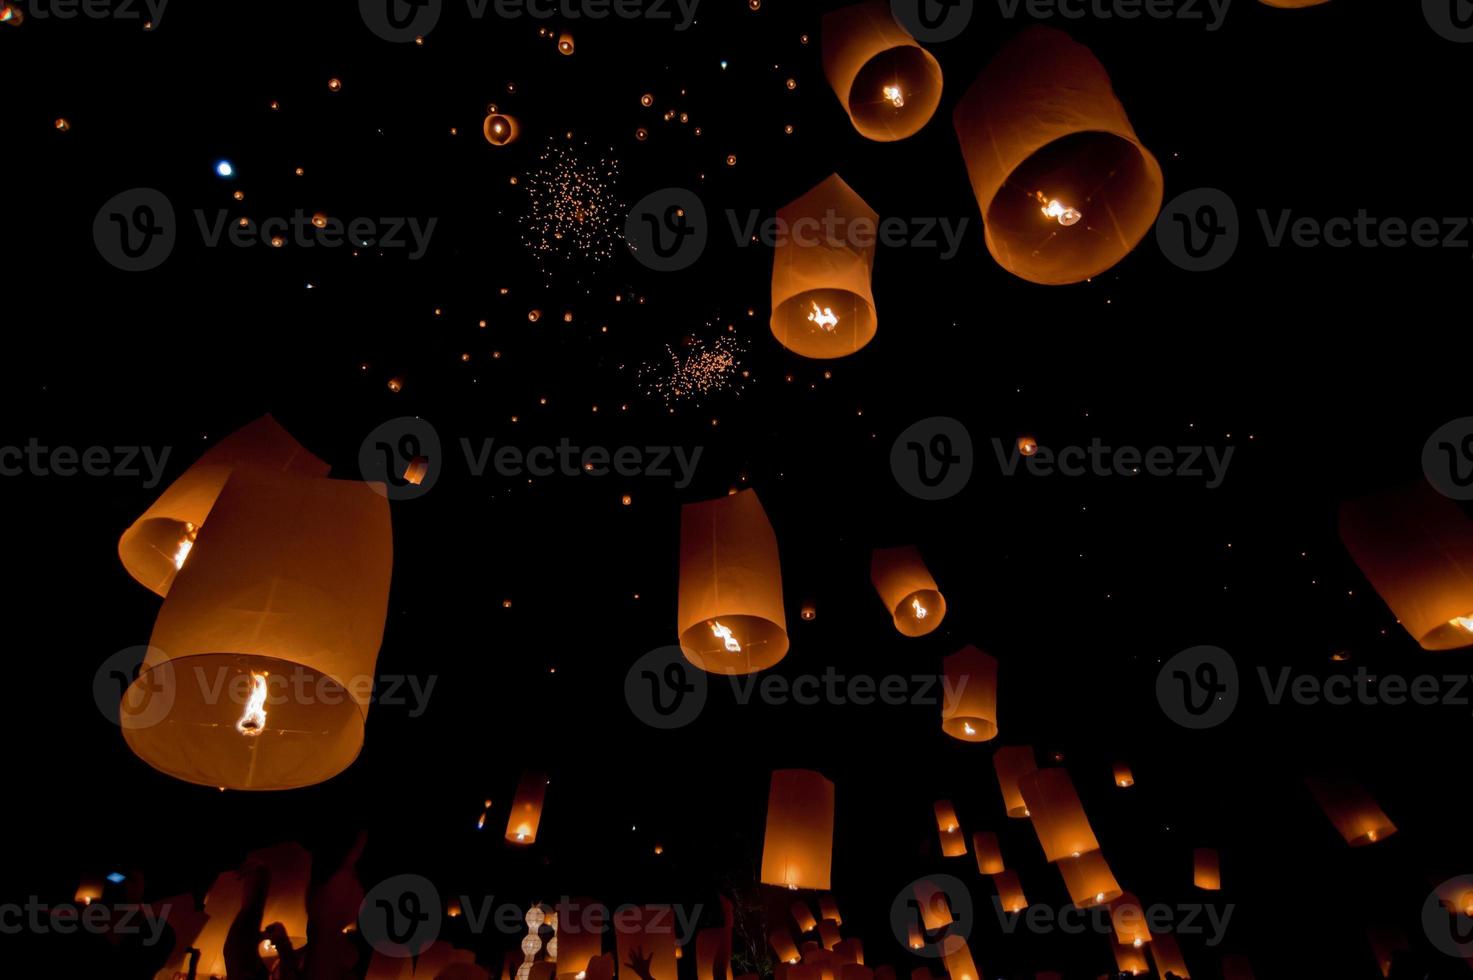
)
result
[(185, 921), (823, 305), (908, 591), (1089, 880), (1416, 548), (1386, 942), (829, 909), (580, 934), (289, 867), (651, 932), (958, 959), (89, 890), (1012, 763), (828, 934), (1128, 920), (1205, 871), (1123, 777), (500, 128), (953, 844), (1130, 960), (713, 947), (989, 854), (1166, 954), (1456, 895), (1009, 891), (804, 917), (798, 847), (526, 808), (1352, 810), (1065, 186), (915, 937), (261, 662), (157, 544), (730, 613), (1058, 816), (783, 945), (934, 906), (888, 84), (969, 701)]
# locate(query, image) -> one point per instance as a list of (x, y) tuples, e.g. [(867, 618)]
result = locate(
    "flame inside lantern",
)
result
[(723, 633), (253, 719)]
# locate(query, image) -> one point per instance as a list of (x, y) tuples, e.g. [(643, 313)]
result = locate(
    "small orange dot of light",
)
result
[(514, 418), (277, 241), (542, 401), (626, 500), (299, 171), (803, 39), (595, 408), (419, 42), (504, 290), (62, 125), (482, 324), (731, 159), (698, 130), (465, 357), (239, 195), (438, 311), (534, 315), (513, 181), (275, 104), (788, 129), (335, 84), (456, 132), (646, 100), (685, 117), (496, 355), (792, 84), (568, 316), (641, 134), (505, 603), (245, 222), (319, 220), (396, 385)]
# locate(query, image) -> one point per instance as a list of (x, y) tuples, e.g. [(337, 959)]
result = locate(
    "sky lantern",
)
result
[(1386, 942), (89, 890), (1416, 548), (526, 808), (1352, 810), (1166, 954), (888, 84), (798, 847), (1065, 186), (1206, 874), (1012, 763), (286, 589), (713, 947), (1009, 891), (829, 909), (222, 904), (823, 305), (953, 843), (1058, 816), (934, 906), (730, 613), (499, 128), (989, 854), (1128, 920), (907, 590), (156, 545), (1130, 960), (289, 866), (804, 917), (186, 921), (829, 935), (1123, 776), (958, 958), (783, 945), (580, 936), (652, 935), (969, 702), (1089, 880)]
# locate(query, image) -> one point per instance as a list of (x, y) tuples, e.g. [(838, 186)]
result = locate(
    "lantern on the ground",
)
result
[(907, 590), (888, 84), (969, 699), (526, 808), (798, 847), (1058, 816), (1012, 763), (1352, 810)]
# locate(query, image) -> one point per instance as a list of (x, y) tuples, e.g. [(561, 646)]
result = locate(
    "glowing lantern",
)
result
[(969, 705), (1130, 960), (155, 546), (1012, 763), (1046, 142), (828, 934), (88, 891), (888, 84), (526, 809), (1352, 810), (1058, 816), (580, 936), (809, 612), (1027, 446), (1416, 548), (1089, 880), (1123, 777), (713, 949), (953, 844), (798, 848), (849, 952), (499, 128), (186, 922), (933, 905), (286, 589), (289, 866), (1128, 920), (907, 590), (804, 917), (958, 959), (730, 613), (652, 935), (829, 909), (823, 305), (1456, 895), (1166, 954), (565, 43), (1205, 871), (989, 855), (783, 945), (915, 937), (1009, 891), (1386, 942)]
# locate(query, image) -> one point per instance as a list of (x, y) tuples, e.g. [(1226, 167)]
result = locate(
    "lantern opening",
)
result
[(253, 718), (824, 322), (895, 93), (919, 612)]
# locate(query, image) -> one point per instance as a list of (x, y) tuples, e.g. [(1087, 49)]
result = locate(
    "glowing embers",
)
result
[(894, 96), (723, 633), (823, 317), (186, 544), (253, 718), (1065, 215)]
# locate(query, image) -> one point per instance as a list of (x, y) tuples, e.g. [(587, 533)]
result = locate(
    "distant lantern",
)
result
[(1456, 895), (829, 935), (565, 43), (1416, 548), (1205, 871), (888, 84), (958, 959), (804, 917), (499, 128), (1130, 960), (1123, 777), (933, 905), (1058, 816), (907, 590), (915, 937), (823, 303), (1352, 810), (1027, 445), (88, 891), (1128, 920), (62, 125), (989, 854), (286, 589), (969, 702), (730, 612), (334, 85), (809, 611), (829, 909), (1065, 186), (1009, 891), (526, 808), (652, 935), (319, 220), (1089, 880), (1386, 942), (581, 923), (953, 842), (783, 945), (1012, 763), (798, 846), (1166, 954)]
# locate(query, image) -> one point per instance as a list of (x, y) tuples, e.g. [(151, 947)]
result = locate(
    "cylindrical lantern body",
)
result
[(888, 84), (953, 843), (1041, 126), (1206, 873), (933, 904), (1089, 880), (783, 945), (798, 847), (1010, 891), (958, 958), (581, 924), (1386, 942), (1058, 816), (915, 937), (1012, 763), (908, 591), (1128, 920), (1123, 776), (823, 304), (1130, 960), (1456, 894), (804, 917), (829, 935), (829, 909), (223, 903), (969, 698), (730, 613), (1352, 810), (989, 854), (261, 663), (1166, 954), (526, 808), (1416, 548), (654, 936)]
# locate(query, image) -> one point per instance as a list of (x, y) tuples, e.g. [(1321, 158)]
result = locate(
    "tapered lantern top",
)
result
[(969, 703), (907, 590), (1065, 186), (798, 847), (888, 84)]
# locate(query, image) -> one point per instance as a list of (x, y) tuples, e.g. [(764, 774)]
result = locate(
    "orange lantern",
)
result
[(1456, 895), (1130, 960), (829, 909), (286, 590), (1058, 816), (289, 866), (647, 928), (1386, 942), (933, 904), (88, 891), (1089, 880), (958, 959), (730, 612), (580, 935), (1123, 777), (1128, 920), (953, 844), (783, 945), (849, 952), (915, 937), (1352, 810), (855, 971), (823, 305), (1206, 874), (500, 128), (1065, 186), (888, 84), (908, 591), (989, 854), (1012, 763), (713, 953), (1010, 891), (526, 809), (798, 848), (804, 917), (969, 704), (1416, 548), (828, 934), (1166, 954), (565, 43)]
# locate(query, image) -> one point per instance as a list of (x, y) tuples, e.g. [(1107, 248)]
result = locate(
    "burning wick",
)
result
[(1099, 896), (824, 318), (920, 610), (184, 545), (723, 633), (521, 835), (1138, 943), (253, 720), (894, 96), (967, 727), (1463, 623), (1053, 209)]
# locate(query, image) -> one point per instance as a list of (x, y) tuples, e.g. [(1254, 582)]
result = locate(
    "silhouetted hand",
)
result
[(640, 963)]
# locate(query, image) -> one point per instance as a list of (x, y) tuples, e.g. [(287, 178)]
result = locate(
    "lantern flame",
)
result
[(723, 633), (1053, 209), (253, 719), (967, 727), (1463, 623), (894, 96), (824, 317), (920, 610), (185, 544)]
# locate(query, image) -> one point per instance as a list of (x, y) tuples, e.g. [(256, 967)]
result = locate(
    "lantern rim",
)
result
[(984, 730), (908, 65), (764, 644), (790, 324), (906, 622)]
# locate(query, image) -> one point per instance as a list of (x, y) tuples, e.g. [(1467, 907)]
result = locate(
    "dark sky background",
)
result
[(1325, 369)]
